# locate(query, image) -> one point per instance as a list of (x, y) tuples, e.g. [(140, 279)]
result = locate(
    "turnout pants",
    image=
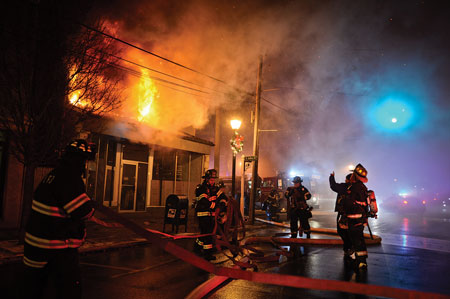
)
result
[(342, 230), (206, 224), (355, 231), (60, 275), (302, 216)]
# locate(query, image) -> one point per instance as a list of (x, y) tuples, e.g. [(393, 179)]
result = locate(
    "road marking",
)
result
[(108, 266), (133, 271)]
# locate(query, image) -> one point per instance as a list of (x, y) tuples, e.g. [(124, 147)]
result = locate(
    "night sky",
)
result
[(358, 81)]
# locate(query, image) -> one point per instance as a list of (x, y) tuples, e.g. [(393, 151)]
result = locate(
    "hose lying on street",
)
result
[(268, 278)]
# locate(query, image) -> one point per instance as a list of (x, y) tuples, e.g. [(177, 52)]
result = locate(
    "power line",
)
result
[(162, 73), (139, 75), (163, 58), (151, 53), (279, 107)]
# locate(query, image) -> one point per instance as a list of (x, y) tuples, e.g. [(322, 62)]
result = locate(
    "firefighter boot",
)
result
[(293, 234), (209, 256), (198, 249), (308, 235), (361, 263)]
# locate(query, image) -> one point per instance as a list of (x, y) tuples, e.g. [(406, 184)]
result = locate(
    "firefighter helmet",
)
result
[(361, 173), (210, 174), (297, 179), (83, 148)]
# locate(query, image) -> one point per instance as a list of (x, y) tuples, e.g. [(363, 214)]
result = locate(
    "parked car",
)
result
[(405, 204)]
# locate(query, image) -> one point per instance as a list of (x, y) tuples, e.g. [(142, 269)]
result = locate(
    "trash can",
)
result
[(176, 212)]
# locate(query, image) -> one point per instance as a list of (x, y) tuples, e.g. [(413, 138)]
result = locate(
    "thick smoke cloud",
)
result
[(327, 63)]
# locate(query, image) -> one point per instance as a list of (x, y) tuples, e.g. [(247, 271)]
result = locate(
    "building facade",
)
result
[(128, 175)]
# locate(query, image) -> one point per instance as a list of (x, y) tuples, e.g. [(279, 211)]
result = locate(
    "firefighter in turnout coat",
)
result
[(206, 194), (55, 228), (222, 204), (355, 208), (298, 209), (342, 220)]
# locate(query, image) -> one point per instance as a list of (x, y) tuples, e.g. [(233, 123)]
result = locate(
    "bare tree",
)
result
[(54, 74)]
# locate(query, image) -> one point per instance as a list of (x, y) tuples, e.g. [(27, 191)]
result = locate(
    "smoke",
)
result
[(328, 64)]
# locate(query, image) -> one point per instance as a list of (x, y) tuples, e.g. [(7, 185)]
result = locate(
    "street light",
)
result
[(235, 124), (236, 142)]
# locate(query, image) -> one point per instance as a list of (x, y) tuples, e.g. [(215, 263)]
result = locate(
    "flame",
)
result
[(74, 96), (147, 94)]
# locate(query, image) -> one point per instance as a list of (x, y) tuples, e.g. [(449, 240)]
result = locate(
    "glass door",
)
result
[(128, 186)]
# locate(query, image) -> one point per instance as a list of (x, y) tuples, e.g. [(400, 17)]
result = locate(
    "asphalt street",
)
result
[(407, 258)]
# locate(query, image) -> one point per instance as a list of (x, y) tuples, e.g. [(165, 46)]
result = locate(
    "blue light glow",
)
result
[(393, 115)]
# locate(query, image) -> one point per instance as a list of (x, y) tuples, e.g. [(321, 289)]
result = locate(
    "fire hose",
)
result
[(267, 278)]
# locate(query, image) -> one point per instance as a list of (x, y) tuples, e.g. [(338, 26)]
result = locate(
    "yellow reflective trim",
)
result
[(209, 246), (48, 210), (34, 264), (353, 216), (74, 204), (200, 214), (204, 195), (361, 253), (52, 244)]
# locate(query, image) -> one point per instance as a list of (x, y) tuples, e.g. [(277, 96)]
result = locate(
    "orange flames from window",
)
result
[(147, 94)]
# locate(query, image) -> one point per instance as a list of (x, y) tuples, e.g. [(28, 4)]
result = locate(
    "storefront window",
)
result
[(135, 152), (183, 166), (164, 165)]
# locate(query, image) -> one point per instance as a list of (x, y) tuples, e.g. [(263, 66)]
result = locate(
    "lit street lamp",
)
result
[(236, 142)]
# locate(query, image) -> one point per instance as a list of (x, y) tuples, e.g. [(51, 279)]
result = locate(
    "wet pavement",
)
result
[(128, 267)]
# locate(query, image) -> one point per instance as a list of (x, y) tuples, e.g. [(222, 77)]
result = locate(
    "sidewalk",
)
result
[(100, 238)]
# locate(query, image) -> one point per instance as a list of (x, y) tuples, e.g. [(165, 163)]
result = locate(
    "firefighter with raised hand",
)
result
[(206, 193), (355, 207), (342, 220), (298, 209), (56, 227)]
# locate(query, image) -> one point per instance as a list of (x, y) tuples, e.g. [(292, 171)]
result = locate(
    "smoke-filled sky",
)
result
[(358, 81)]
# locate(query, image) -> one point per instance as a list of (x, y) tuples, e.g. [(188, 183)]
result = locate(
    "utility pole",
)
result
[(251, 207), (217, 142)]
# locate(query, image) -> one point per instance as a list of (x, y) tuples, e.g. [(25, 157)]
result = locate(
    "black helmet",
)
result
[(361, 173), (210, 174), (297, 179), (83, 148)]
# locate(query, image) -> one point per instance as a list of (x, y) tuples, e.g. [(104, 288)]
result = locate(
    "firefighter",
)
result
[(342, 220), (272, 204), (298, 209), (355, 208), (222, 204), (206, 194), (56, 228)]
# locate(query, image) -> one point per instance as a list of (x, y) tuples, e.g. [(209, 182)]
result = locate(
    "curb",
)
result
[(125, 244)]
